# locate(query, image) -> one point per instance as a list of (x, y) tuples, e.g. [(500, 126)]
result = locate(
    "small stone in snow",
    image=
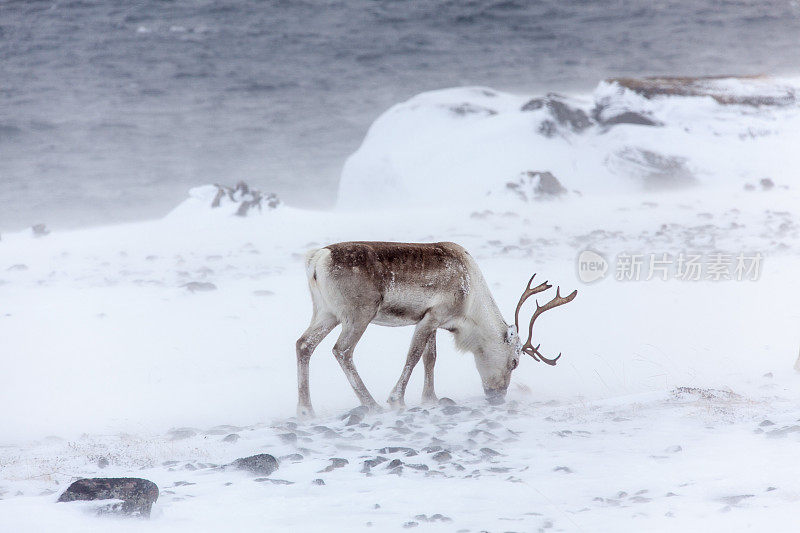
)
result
[(394, 463), (409, 525), (102, 462), (442, 457), (289, 438), (318, 481), (336, 462), (199, 286), (233, 437), (446, 401), (263, 464), (181, 433), (674, 449)]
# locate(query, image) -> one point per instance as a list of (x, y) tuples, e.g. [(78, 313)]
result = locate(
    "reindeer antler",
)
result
[(528, 348)]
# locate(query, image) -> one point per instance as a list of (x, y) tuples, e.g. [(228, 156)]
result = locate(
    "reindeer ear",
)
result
[(511, 333)]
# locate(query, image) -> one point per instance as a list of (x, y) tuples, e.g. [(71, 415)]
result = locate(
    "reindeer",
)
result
[(432, 286)]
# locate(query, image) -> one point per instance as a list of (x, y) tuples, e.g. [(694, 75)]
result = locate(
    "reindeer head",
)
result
[(497, 367)]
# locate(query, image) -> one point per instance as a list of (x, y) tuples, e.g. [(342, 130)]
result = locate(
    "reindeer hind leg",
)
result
[(319, 329), (343, 351)]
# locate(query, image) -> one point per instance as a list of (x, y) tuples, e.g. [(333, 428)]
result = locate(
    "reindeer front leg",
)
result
[(422, 333), (429, 360)]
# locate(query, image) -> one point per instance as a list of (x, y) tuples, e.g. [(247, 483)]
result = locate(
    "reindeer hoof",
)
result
[(305, 411), (396, 403), (374, 408), (430, 399)]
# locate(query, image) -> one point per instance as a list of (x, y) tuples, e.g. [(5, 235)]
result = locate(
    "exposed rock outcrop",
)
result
[(246, 197), (137, 495), (562, 113), (535, 185), (751, 90)]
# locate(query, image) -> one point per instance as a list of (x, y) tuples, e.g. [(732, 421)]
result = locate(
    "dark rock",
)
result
[(394, 463), (246, 197), (336, 462), (565, 469), (562, 113), (445, 401), (548, 128), (409, 452), (627, 117), (736, 500), (137, 495), (442, 457), (199, 286), (767, 184), (263, 464), (40, 230), (371, 463), (354, 419), (318, 481), (273, 481), (417, 466), (181, 433), (535, 185), (233, 437), (409, 525), (653, 87), (438, 517), (289, 438), (472, 109), (326, 432), (263, 292)]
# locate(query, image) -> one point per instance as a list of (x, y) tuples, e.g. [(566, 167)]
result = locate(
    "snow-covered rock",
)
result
[(240, 200), (464, 145)]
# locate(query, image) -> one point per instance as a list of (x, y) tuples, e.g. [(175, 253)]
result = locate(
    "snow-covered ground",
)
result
[(675, 404)]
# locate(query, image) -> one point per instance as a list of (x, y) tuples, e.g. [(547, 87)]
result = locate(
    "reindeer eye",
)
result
[(514, 363)]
